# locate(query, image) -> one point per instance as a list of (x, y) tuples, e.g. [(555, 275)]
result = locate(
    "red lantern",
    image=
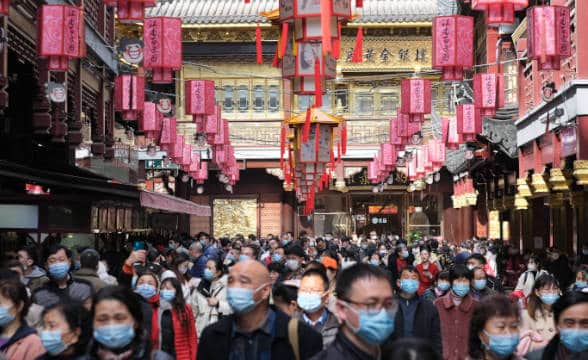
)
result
[(200, 98), (488, 93), (168, 133), (388, 155), (130, 10), (163, 47), (416, 99), (4, 7), (148, 120), (468, 124), (298, 9), (499, 11), (450, 135), (186, 156), (60, 35), (548, 35), (177, 152), (129, 95), (453, 45)]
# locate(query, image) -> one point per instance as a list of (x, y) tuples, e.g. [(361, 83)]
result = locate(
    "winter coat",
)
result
[(328, 330), (25, 344), (50, 294), (543, 327), (206, 314), (342, 349), (425, 325), (527, 281), (455, 325), (215, 342), (36, 279), (90, 276)]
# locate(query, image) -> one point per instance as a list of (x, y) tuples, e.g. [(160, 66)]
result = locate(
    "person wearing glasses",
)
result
[(366, 308)]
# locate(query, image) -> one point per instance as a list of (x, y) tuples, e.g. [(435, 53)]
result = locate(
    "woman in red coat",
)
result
[(427, 271)]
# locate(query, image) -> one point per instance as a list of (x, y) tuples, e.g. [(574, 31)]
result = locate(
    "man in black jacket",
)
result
[(255, 330), (416, 317)]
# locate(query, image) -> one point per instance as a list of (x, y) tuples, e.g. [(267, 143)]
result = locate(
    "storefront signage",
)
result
[(568, 141)]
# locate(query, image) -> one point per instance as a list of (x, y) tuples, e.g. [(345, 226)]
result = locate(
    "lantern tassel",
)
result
[(318, 91), (276, 59), (283, 41), (306, 129), (358, 50), (337, 42), (344, 139), (316, 140), (258, 48)]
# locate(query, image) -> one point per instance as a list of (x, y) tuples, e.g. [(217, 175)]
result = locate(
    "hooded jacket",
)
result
[(25, 344)]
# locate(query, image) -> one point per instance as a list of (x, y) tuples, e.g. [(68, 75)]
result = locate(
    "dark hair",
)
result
[(12, 289), (255, 249), (319, 273), (285, 293), (129, 299), (89, 259), (533, 301), (459, 271), (495, 305), (218, 263), (31, 252), (408, 268), (178, 303), (148, 273), (77, 317), (54, 249), (275, 266), (442, 275), (478, 257), (569, 299), (536, 260), (315, 265), (411, 349), (354, 273)]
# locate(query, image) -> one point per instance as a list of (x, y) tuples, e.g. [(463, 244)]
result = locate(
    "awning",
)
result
[(173, 204)]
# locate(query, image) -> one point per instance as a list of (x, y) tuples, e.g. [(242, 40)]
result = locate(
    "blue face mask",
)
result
[(309, 302), (5, 316), (443, 285), (52, 342), (375, 262), (461, 290), (549, 299), (480, 284), (409, 286), (581, 284), (230, 258), (575, 340), (241, 299), (208, 275), (59, 270), (146, 291), (203, 243), (276, 257), (364, 247), (167, 294), (285, 242), (114, 336), (373, 328), (244, 258), (404, 254), (503, 345)]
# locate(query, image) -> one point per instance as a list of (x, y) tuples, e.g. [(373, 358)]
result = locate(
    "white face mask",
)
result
[(532, 267), (292, 264)]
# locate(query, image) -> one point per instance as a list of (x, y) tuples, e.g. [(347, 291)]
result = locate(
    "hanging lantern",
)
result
[(388, 155), (129, 95), (60, 35), (548, 35), (468, 124), (299, 9), (453, 45), (416, 99), (129, 11), (168, 133), (200, 99), (163, 47), (177, 151), (488, 93), (451, 137), (4, 7), (186, 156), (148, 120), (406, 128), (499, 11)]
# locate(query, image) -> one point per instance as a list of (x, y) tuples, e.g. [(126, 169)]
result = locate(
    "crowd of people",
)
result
[(321, 298)]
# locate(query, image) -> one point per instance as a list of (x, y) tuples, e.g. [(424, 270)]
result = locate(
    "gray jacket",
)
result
[(328, 330), (50, 294)]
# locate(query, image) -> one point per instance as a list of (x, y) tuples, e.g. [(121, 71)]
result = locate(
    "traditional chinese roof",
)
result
[(222, 12)]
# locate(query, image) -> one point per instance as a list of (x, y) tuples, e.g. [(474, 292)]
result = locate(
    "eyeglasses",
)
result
[(373, 308)]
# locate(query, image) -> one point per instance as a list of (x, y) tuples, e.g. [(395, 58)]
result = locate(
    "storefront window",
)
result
[(388, 103), (258, 98), (228, 98), (274, 98), (364, 103), (341, 97), (304, 102), (243, 98)]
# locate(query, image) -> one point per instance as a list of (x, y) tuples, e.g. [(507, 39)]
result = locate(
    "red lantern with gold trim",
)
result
[(548, 35), (453, 45), (163, 47), (129, 95), (60, 35)]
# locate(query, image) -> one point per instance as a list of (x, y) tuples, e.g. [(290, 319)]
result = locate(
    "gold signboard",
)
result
[(494, 224), (234, 216)]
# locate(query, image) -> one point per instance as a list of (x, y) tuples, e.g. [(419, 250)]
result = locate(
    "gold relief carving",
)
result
[(227, 35), (384, 54), (255, 134), (234, 216), (367, 132)]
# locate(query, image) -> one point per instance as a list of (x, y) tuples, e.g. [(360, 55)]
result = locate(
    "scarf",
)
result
[(185, 338), (154, 301), (106, 354)]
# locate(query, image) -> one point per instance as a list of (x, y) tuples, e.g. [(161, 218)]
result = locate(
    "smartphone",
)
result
[(139, 245)]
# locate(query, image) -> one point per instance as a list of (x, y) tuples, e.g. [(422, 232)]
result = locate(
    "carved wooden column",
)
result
[(98, 128), (4, 69), (59, 126), (41, 105), (108, 119), (74, 134)]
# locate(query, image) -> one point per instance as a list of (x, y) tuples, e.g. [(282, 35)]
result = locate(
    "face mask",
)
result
[(404, 254), (364, 247), (383, 253), (276, 257), (532, 267), (471, 267), (285, 242), (241, 299), (5, 316), (312, 244), (461, 290), (146, 291), (244, 258), (292, 264), (230, 258), (183, 269), (409, 286), (114, 336), (329, 238), (167, 294), (309, 302), (503, 345), (375, 262), (172, 246), (208, 275), (203, 243), (374, 237), (480, 284), (575, 340), (549, 299), (443, 286), (581, 284), (52, 342), (373, 328), (59, 270)]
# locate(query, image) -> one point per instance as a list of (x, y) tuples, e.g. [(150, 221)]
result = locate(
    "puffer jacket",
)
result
[(206, 314)]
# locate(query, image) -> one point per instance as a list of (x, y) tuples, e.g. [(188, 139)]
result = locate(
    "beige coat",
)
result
[(543, 328), (206, 314)]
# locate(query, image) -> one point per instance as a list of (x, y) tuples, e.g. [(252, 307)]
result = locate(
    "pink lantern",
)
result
[(388, 156), (416, 99), (453, 45), (186, 156), (60, 35), (488, 93), (202, 175), (395, 138), (148, 120), (177, 151), (468, 124), (4, 7), (200, 98), (163, 47), (129, 95), (168, 133), (130, 10), (548, 35), (450, 134), (499, 11)]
